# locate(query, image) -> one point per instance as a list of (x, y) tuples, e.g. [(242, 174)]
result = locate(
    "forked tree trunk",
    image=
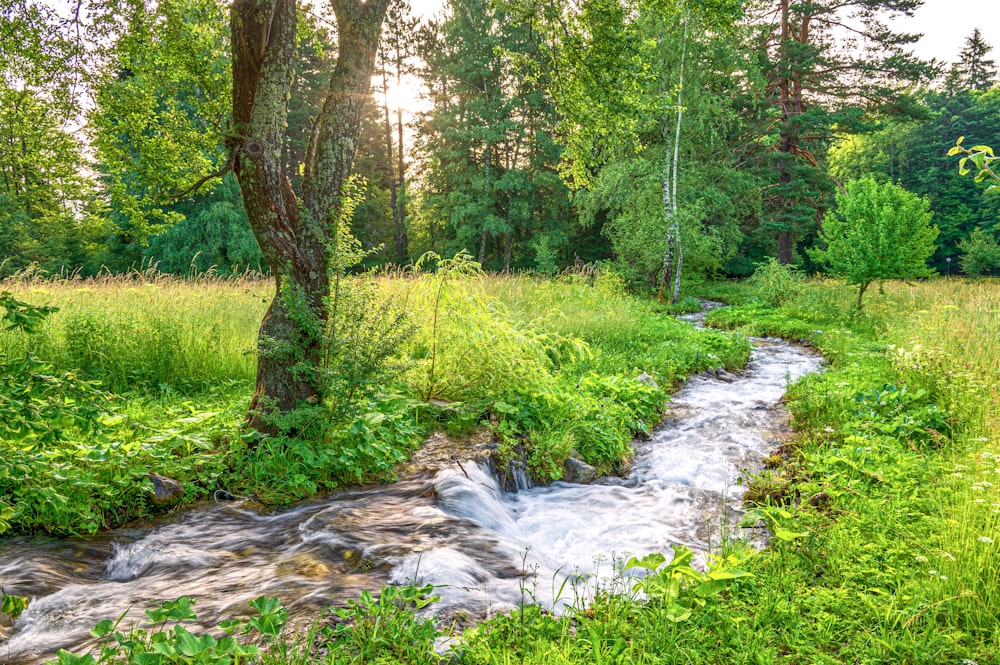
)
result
[(295, 237)]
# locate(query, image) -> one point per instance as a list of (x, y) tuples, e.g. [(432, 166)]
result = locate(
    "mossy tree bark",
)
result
[(295, 237)]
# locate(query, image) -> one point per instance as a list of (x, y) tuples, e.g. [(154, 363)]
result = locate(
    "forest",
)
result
[(534, 140), (579, 331)]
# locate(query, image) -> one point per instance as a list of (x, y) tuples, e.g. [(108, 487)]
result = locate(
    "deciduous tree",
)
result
[(877, 231), (296, 237)]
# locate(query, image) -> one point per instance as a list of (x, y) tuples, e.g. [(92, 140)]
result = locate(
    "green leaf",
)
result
[(677, 614), (190, 645), (66, 658), (711, 587), (788, 536), (102, 628), (649, 562), (12, 606), (173, 610)]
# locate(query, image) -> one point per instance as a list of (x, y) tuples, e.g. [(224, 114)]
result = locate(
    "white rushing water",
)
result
[(456, 529)]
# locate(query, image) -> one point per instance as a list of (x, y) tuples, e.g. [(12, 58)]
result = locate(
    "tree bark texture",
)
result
[(295, 237), (668, 272), (792, 104)]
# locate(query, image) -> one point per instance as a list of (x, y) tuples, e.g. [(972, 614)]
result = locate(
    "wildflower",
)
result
[(985, 539), (956, 475), (932, 572), (961, 467), (921, 558), (980, 500), (944, 578), (948, 555)]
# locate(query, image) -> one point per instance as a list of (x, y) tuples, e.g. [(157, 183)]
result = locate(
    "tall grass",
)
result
[(949, 343), (147, 330), (941, 337), (551, 366)]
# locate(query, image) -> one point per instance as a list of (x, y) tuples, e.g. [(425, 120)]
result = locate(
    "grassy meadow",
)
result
[(884, 507)]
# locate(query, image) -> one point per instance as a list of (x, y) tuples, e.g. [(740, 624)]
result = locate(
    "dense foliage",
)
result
[(883, 509), (654, 134), (551, 366)]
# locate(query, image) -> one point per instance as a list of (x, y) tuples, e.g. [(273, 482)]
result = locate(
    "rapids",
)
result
[(452, 526)]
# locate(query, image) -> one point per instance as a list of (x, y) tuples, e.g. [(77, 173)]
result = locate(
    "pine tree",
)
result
[(973, 71), (819, 81), (490, 169)]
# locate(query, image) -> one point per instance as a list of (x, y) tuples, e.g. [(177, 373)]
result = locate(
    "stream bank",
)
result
[(451, 526)]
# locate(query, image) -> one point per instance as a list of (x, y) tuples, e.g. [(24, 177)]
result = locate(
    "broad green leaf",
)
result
[(651, 561)]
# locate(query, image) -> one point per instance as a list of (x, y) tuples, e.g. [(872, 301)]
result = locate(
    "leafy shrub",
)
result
[(163, 645), (980, 253), (899, 413), (385, 629), (775, 283)]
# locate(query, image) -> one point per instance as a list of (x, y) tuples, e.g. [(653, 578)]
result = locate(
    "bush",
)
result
[(775, 283), (980, 253)]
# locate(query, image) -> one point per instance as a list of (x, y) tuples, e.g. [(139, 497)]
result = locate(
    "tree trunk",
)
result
[(792, 104), (293, 238), (402, 240), (677, 276), (670, 189), (397, 232), (507, 242)]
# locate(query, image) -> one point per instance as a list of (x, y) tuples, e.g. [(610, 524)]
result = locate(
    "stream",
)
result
[(448, 523)]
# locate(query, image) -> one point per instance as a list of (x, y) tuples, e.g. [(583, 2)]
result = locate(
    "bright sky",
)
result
[(946, 23)]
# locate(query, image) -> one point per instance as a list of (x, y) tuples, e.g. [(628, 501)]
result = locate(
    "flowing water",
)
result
[(451, 526)]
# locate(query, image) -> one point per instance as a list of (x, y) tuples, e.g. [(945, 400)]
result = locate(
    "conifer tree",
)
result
[(973, 71), (830, 63)]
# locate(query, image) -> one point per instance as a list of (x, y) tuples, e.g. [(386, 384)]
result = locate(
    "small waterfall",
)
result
[(513, 476)]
